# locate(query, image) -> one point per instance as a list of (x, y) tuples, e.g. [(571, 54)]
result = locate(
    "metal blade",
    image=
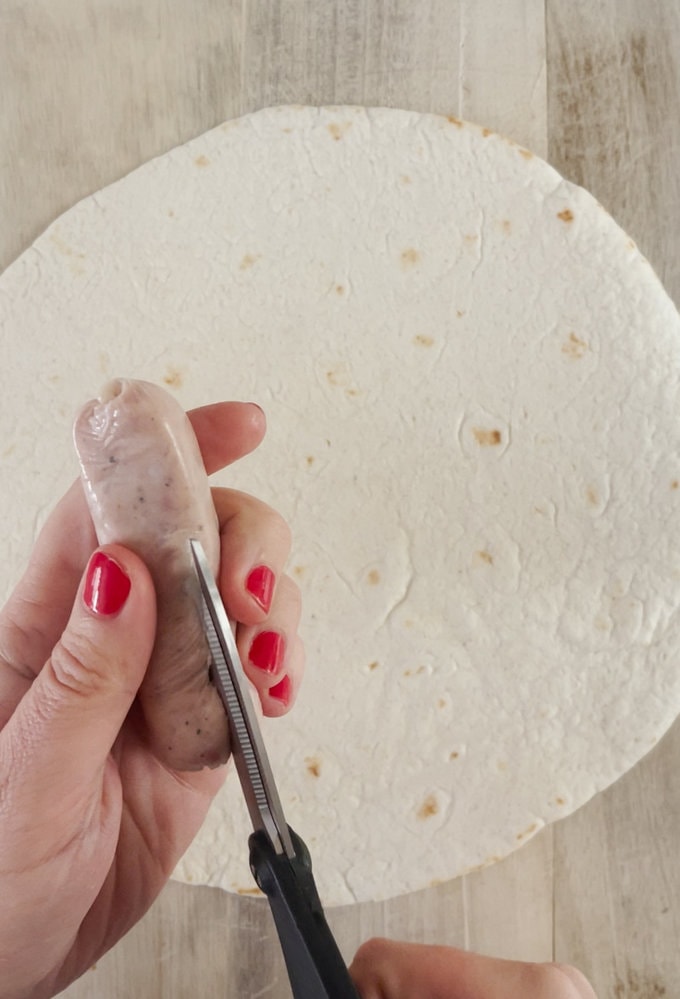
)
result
[(250, 755)]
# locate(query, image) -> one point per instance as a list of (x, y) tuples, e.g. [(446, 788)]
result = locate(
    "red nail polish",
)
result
[(281, 690), (267, 651), (107, 585), (260, 584)]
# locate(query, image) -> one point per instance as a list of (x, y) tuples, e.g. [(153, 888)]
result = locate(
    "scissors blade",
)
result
[(250, 755)]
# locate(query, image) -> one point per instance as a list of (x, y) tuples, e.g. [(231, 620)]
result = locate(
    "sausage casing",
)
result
[(147, 489)]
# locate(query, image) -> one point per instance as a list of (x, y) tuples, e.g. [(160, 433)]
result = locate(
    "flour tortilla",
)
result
[(471, 377)]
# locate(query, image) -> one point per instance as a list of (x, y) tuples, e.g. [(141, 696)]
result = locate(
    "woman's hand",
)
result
[(91, 824), (384, 969)]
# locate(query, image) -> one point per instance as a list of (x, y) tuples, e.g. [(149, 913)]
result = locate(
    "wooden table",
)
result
[(90, 89)]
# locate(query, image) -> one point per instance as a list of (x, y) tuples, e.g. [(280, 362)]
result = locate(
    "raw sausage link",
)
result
[(147, 489)]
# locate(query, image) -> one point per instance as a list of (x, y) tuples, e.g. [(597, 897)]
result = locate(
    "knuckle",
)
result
[(291, 591), (371, 952), (77, 666), (280, 530), (560, 981), (371, 961), (574, 982)]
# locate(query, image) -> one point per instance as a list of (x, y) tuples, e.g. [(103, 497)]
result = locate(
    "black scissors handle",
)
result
[(315, 966)]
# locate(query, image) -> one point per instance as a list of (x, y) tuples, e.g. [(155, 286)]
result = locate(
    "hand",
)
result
[(383, 969), (91, 824)]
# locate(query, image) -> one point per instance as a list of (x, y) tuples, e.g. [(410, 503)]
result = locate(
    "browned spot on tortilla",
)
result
[(502, 765), (471, 237), (441, 703), (287, 130), (574, 347), (299, 570), (560, 801), (452, 120), (64, 248), (453, 755), (428, 808), (486, 438), (332, 377), (632, 245), (460, 313), (374, 577), (313, 766), (675, 484), (405, 179), (310, 460), (248, 891), (567, 215), (352, 392), (592, 496), (473, 870), (506, 226), (202, 161), (339, 289), (409, 258), (527, 832), (173, 377), (484, 556), (249, 260), (93, 967), (414, 672), (423, 341), (171, 214), (486, 132), (526, 153), (373, 665), (339, 130)]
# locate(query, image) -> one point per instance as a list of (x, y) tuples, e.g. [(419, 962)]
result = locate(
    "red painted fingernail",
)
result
[(267, 651), (107, 585), (281, 690), (260, 584)]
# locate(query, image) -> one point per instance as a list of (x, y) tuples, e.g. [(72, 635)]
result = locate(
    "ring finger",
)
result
[(272, 653)]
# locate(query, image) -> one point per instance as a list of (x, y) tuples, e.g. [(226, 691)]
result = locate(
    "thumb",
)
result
[(62, 731)]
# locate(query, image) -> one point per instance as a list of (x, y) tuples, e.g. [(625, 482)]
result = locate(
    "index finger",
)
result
[(227, 431)]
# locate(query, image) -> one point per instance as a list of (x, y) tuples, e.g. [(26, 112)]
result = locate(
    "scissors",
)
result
[(279, 860)]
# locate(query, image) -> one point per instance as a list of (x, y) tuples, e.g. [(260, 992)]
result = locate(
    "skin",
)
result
[(383, 969), (91, 822)]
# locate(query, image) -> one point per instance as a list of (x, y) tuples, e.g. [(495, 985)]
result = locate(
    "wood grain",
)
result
[(614, 127), (613, 104), (92, 88)]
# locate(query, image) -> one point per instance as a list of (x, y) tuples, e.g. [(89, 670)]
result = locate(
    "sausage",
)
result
[(147, 489)]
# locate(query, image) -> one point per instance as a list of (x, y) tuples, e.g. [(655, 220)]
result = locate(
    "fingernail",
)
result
[(267, 650), (281, 690), (107, 585), (260, 584)]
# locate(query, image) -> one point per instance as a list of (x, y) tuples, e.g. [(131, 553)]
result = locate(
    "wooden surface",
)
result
[(89, 89)]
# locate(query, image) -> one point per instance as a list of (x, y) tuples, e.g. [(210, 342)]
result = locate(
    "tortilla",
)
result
[(471, 378)]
